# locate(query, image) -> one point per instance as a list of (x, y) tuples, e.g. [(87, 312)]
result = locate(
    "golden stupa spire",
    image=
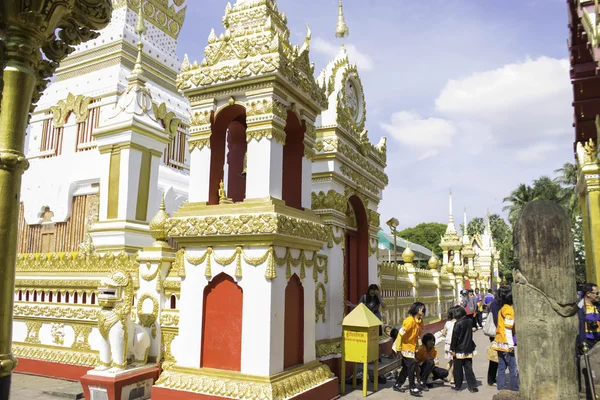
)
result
[(341, 29), (140, 29)]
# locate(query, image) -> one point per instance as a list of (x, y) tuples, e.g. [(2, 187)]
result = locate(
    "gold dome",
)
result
[(433, 262), (407, 255), (158, 226), (450, 268), (341, 29)]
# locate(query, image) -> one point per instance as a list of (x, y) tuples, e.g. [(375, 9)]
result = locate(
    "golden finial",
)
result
[(140, 29), (433, 263), (408, 256), (341, 29), (158, 225)]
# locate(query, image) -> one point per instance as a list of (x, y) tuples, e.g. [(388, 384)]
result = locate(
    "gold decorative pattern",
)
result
[(271, 133), (359, 179), (169, 318), (78, 105), (320, 302), (71, 263), (168, 357), (81, 336), (168, 118), (238, 254), (55, 354), (80, 313), (62, 284), (198, 144), (332, 238), (201, 118), (167, 19), (247, 224), (321, 268), (331, 200), (289, 261), (237, 385), (328, 347), (33, 332), (147, 320)]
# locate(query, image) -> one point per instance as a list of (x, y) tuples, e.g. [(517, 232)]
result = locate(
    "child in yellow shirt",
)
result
[(427, 357), (406, 344)]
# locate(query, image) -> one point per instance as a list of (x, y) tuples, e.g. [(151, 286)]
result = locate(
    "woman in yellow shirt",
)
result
[(505, 341), (406, 343)]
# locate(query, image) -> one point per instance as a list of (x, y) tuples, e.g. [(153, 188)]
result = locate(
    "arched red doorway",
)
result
[(293, 151), (228, 127), (293, 336), (222, 324), (356, 257)]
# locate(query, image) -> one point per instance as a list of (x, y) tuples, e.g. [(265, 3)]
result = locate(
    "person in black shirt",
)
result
[(373, 301), (462, 349)]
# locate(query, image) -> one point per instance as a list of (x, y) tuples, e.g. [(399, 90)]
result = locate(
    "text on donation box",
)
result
[(98, 393), (137, 391), (361, 345)]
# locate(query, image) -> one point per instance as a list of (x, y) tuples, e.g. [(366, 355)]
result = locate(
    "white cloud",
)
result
[(536, 152), (414, 131), (514, 106), (520, 92), (362, 60)]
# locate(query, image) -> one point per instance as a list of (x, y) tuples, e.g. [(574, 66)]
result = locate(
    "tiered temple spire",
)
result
[(341, 29)]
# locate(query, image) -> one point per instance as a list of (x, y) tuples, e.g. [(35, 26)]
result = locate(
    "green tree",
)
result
[(567, 179), (426, 234), (501, 231), (475, 226), (522, 195), (546, 188)]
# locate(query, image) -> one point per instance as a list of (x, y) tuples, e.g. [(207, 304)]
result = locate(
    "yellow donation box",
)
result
[(360, 344)]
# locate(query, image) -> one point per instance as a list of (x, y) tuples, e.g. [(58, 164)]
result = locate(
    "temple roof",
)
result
[(255, 43)]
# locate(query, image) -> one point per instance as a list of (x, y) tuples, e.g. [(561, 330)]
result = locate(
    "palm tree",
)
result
[(522, 195), (567, 179)]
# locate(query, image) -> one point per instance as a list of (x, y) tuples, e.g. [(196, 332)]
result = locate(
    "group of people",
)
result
[(420, 363)]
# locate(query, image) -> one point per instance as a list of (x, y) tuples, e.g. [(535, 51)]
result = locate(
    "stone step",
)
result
[(70, 390)]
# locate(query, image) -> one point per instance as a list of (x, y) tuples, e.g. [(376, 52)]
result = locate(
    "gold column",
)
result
[(590, 272), (19, 84), (29, 27), (593, 208)]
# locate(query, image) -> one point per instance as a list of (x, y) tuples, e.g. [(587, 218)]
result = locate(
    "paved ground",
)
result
[(480, 367), (26, 387), (29, 387)]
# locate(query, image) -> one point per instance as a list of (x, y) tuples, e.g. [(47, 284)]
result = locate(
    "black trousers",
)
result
[(492, 368), (408, 369), (467, 365), (428, 367)]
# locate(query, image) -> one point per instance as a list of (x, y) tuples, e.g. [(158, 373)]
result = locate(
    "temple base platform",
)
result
[(129, 384), (305, 382)]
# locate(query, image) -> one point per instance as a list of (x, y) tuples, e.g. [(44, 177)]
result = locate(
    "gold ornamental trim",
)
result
[(54, 312), (78, 105), (169, 318), (56, 354), (328, 347), (238, 385), (247, 224), (167, 19), (75, 262)]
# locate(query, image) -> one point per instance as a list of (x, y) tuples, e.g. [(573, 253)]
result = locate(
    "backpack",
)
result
[(489, 328)]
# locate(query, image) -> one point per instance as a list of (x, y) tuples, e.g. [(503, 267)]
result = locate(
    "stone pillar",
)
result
[(545, 302), (27, 28)]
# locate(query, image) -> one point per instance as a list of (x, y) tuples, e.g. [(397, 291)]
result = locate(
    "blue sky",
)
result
[(472, 95)]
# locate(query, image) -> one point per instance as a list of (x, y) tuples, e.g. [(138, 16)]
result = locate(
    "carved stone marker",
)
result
[(545, 302)]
